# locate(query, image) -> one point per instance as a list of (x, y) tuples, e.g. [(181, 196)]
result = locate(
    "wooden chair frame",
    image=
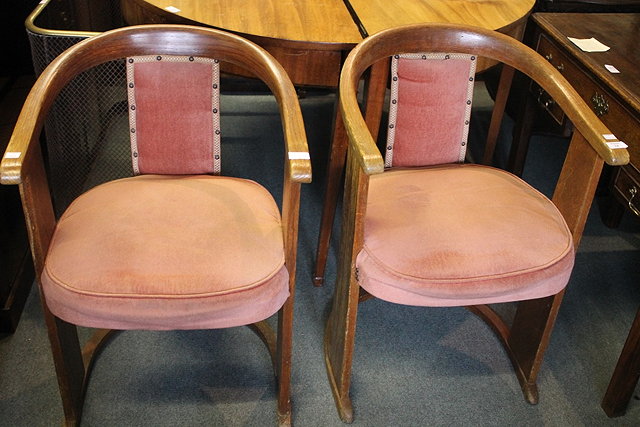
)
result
[(527, 337), (23, 165)]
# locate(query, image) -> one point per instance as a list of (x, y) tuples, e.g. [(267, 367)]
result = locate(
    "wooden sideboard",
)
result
[(615, 97)]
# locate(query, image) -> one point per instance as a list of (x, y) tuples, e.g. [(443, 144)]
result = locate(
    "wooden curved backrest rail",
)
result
[(162, 40), (462, 39), (22, 162)]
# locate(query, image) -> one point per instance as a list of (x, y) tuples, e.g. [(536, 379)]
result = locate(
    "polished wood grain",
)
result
[(307, 38), (378, 15), (619, 31), (318, 22), (24, 166), (525, 338)]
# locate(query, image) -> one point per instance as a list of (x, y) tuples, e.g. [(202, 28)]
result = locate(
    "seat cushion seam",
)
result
[(255, 284)]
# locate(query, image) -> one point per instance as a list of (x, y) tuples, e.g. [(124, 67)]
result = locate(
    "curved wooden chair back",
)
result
[(23, 165), (525, 337)]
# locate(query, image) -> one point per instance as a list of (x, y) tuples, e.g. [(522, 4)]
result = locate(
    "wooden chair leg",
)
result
[(528, 339), (521, 136), (335, 168), (68, 361), (283, 371), (375, 92), (626, 374), (280, 349), (504, 87)]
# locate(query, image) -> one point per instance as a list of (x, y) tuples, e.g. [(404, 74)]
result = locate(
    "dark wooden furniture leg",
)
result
[(626, 374), (375, 92), (500, 104), (521, 136), (335, 166)]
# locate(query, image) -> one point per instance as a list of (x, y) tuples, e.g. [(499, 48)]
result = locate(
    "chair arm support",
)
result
[(361, 142)]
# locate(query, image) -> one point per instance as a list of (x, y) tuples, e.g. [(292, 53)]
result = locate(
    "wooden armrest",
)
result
[(25, 133), (361, 143), (297, 151), (296, 148)]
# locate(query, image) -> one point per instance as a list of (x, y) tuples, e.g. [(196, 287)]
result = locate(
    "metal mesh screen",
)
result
[(86, 139)]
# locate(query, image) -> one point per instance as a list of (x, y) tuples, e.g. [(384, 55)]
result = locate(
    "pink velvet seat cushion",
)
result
[(168, 252), (459, 235)]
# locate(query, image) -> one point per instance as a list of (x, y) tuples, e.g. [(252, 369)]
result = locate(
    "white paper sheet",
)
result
[(589, 45)]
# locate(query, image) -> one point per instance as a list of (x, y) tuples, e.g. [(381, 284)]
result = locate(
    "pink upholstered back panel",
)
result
[(430, 107), (174, 115)]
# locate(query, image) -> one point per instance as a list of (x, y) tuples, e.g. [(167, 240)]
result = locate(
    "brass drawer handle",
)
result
[(600, 104), (632, 192)]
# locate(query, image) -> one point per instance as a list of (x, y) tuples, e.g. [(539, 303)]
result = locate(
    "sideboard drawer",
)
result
[(626, 186), (546, 49), (623, 122)]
